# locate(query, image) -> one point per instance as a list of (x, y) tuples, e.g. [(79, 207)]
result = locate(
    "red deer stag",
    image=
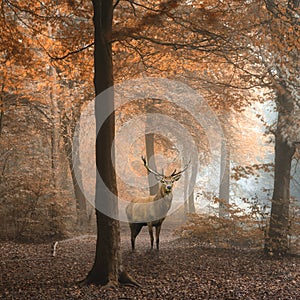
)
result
[(151, 211)]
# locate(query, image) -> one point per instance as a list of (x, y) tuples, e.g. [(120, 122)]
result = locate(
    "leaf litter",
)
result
[(182, 269)]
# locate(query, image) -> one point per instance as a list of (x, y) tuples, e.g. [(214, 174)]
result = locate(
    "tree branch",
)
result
[(71, 52), (116, 4)]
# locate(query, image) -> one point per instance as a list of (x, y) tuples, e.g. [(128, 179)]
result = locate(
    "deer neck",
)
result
[(164, 194), (161, 203)]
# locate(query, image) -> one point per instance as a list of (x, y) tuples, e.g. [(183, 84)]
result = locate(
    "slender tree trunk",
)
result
[(55, 138), (107, 268), (277, 238), (1, 110), (72, 142), (225, 181), (153, 184), (150, 142), (81, 207), (55, 134), (191, 185), (191, 203), (81, 202), (185, 195)]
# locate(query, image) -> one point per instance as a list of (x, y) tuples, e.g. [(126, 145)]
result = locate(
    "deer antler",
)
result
[(150, 170), (180, 172)]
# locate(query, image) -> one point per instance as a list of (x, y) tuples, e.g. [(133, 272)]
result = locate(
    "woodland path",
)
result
[(182, 269)]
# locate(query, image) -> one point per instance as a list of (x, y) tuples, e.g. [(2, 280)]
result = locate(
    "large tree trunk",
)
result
[(107, 268), (277, 238)]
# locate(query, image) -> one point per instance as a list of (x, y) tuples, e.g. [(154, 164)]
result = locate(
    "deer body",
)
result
[(151, 211)]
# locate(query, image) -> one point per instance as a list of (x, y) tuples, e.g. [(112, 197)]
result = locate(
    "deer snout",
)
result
[(169, 187)]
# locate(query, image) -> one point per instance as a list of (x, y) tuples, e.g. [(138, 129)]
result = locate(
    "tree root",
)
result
[(124, 279), (111, 285)]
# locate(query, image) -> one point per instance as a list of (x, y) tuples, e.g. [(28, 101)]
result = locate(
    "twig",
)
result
[(54, 248), (71, 52)]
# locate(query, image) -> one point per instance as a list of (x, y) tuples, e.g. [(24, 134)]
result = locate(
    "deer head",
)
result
[(166, 181)]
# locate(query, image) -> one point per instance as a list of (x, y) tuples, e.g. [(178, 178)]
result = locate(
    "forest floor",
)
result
[(182, 269)]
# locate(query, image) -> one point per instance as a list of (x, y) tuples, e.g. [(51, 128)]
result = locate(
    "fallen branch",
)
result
[(54, 248)]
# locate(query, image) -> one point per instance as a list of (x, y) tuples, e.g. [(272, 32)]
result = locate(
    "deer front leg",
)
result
[(157, 232), (150, 228), (135, 230)]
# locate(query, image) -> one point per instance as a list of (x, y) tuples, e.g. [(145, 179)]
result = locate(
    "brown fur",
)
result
[(151, 212)]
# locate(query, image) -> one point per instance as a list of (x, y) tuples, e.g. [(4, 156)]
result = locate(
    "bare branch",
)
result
[(71, 52), (116, 4)]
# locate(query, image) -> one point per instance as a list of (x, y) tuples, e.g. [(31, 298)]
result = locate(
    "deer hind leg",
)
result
[(135, 229), (150, 228), (157, 232)]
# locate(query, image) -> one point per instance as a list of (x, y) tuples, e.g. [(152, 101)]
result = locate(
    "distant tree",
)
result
[(282, 31), (35, 37), (150, 152), (224, 188), (260, 51), (277, 239), (150, 148)]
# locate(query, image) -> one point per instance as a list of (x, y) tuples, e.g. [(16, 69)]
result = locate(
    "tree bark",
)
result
[(191, 203), (224, 188), (153, 184), (185, 195), (107, 268), (55, 138), (81, 202), (1, 111), (191, 185), (277, 238), (150, 142)]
